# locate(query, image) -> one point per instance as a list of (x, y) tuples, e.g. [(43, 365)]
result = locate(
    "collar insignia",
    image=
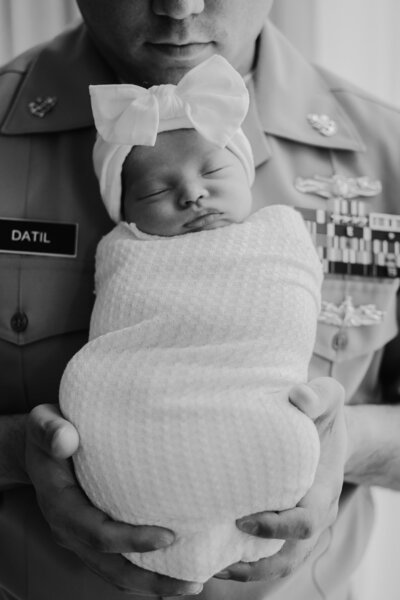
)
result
[(40, 107), (323, 124)]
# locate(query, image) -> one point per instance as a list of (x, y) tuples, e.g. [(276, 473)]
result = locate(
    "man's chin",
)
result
[(168, 64)]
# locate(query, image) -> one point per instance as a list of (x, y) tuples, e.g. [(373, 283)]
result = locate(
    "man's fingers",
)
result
[(75, 518), (47, 429), (74, 521), (295, 523), (81, 527), (107, 536), (286, 561), (125, 576), (281, 564)]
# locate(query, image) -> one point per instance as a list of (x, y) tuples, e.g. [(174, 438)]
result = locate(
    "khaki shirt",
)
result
[(46, 174)]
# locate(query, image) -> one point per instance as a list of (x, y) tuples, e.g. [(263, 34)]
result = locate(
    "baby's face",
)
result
[(184, 184)]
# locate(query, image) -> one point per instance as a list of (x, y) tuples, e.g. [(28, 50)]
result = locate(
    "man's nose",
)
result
[(178, 9)]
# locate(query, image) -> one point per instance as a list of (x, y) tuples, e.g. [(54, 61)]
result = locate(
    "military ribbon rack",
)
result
[(350, 242)]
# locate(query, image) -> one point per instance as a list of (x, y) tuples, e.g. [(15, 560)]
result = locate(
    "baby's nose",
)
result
[(193, 196)]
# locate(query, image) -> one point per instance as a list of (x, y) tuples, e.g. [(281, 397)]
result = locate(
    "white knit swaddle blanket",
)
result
[(181, 396)]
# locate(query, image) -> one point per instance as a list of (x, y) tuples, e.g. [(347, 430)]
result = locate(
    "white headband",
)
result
[(211, 98)]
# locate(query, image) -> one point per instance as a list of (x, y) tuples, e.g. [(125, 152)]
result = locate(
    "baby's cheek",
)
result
[(165, 212), (159, 218), (222, 190), (141, 215), (239, 199)]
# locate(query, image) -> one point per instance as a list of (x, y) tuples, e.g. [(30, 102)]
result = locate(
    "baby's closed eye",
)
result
[(214, 170), (153, 194)]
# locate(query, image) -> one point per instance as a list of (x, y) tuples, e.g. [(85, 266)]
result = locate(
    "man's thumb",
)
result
[(51, 432), (317, 397)]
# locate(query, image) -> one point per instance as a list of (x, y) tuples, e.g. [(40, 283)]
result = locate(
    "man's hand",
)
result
[(322, 400), (79, 526)]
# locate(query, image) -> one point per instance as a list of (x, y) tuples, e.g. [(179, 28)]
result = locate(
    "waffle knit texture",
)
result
[(181, 395)]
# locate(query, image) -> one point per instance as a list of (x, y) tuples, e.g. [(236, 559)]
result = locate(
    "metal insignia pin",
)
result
[(323, 124), (40, 107), (339, 186), (348, 315)]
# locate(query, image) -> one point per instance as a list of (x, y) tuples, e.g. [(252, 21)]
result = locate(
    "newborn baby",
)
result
[(205, 317)]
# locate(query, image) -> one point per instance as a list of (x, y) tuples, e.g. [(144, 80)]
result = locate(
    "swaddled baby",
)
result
[(205, 317)]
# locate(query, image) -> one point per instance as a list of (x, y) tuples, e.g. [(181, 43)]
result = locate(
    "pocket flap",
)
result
[(56, 295), (364, 339)]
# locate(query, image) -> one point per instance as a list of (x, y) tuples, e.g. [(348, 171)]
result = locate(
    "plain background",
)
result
[(360, 40)]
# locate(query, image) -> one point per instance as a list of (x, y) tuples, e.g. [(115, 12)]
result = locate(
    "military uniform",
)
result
[(46, 294)]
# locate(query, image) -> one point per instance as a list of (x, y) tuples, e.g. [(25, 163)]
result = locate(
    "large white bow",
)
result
[(211, 98)]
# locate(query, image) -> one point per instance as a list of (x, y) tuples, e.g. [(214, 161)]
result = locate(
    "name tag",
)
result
[(22, 236)]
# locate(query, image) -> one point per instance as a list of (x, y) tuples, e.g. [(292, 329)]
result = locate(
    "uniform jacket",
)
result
[(46, 175)]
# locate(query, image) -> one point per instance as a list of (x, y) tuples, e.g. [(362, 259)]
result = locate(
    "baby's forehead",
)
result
[(178, 144)]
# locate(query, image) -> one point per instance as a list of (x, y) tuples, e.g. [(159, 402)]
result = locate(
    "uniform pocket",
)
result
[(44, 297), (44, 318), (354, 341), (352, 353)]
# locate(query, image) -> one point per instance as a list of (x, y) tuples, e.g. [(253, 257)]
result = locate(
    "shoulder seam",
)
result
[(367, 98), (340, 87)]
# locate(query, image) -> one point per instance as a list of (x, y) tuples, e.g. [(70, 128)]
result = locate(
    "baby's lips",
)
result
[(202, 221)]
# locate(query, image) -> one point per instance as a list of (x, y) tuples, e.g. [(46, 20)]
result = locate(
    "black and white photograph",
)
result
[(199, 299)]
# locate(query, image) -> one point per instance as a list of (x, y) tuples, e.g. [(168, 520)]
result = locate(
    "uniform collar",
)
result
[(63, 69), (284, 89)]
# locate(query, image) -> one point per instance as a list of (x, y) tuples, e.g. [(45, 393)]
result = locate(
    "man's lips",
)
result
[(182, 51)]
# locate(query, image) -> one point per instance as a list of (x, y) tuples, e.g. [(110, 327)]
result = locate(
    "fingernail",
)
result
[(248, 526), (193, 589), (223, 575), (165, 539)]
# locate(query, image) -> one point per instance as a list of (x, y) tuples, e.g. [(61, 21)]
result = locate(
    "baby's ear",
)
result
[(306, 399)]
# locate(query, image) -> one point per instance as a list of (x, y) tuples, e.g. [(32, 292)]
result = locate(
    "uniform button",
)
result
[(19, 322), (340, 340)]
